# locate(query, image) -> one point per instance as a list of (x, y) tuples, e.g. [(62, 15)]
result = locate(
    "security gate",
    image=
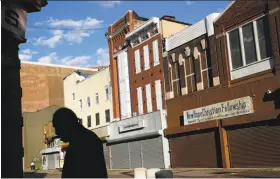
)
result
[(106, 155), (146, 153), (51, 161)]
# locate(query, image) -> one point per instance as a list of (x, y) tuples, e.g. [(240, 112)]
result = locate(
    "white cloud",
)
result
[(189, 2), (76, 35), (51, 59), (27, 54), (99, 58), (108, 4)]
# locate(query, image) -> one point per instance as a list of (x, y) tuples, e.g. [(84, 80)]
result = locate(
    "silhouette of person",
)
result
[(84, 156)]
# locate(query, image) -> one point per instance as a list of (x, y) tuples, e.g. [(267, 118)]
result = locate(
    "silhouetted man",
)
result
[(84, 156)]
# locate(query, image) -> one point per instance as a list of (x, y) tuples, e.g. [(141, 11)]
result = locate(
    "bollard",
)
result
[(140, 173), (151, 173), (164, 174)]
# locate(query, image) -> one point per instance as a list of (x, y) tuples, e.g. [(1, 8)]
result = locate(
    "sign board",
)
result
[(13, 19), (236, 107), (132, 126)]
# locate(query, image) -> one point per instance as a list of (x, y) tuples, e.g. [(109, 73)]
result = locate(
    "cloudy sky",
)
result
[(72, 33)]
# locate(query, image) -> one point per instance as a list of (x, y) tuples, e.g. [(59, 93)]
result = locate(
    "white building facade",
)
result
[(89, 96)]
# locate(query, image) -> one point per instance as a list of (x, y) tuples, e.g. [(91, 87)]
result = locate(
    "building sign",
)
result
[(132, 126), (13, 19), (221, 110)]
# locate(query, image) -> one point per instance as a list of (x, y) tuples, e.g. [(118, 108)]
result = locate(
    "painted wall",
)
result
[(42, 84), (88, 87), (169, 28)]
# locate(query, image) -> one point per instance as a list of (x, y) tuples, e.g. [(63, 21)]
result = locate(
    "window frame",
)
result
[(97, 114), (107, 110), (96, 98), (88, 101), (73, 96), (107, 97), (89, 121), (261, 64)]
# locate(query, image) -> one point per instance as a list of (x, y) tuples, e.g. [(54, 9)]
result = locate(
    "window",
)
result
[(73, 95), (149, 98), (107, 114), (155, 51), (137, 61), (81, 103), (249, 46), (146, 57), (107, 93), (140, 100), (97, 119), (80, 121), (158, 94), (88, 101), (144, 37), (89, 121), (96, 98)]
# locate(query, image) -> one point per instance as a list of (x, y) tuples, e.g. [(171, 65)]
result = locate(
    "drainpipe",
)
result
[(13, 24)]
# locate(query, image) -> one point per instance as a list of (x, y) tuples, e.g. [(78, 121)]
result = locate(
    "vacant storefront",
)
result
[(138, 142), (197, 149)]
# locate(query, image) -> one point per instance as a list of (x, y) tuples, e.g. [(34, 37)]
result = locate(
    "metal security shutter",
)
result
[(51, 161), (255, 146), (106, 155), (135, 154), (57, 160), (152, 153), (120, 156), (196, 150)]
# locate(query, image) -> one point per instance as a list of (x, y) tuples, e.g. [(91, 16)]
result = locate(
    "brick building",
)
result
[(42, 84), (223, 90), (136, 138)]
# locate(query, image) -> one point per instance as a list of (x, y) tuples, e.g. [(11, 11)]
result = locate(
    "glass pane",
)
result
[(235, 49), (263, 37), (249, 43)]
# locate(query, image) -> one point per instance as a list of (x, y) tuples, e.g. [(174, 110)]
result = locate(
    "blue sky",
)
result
[(61, 39)]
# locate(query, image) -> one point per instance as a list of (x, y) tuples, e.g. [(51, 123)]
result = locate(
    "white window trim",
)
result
[(156, 59), (137, 61), (146, 61), (252, 68)]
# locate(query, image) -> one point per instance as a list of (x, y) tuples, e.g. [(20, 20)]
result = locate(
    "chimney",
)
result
[(166, 17)]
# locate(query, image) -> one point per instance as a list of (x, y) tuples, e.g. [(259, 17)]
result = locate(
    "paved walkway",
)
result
[(180, 173)]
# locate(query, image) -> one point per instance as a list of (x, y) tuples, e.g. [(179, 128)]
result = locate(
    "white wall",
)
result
[(88, 88)]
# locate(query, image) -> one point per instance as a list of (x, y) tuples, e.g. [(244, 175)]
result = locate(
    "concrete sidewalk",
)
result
[(181, 173)]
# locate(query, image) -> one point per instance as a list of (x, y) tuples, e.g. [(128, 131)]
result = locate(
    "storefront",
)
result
[(139, 142)]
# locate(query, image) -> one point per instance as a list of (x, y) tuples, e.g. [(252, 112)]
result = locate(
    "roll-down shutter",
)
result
[(135, 154), (195, 150), (255, 146), (120, 156), (152, 151), (51, 162), (106, 155)]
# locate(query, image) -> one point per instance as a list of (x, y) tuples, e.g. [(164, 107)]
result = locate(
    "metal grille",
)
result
[(51, 161), (196, 150), (120, 156), (255, 146), (135, 154), (152, 153), (106, 155)]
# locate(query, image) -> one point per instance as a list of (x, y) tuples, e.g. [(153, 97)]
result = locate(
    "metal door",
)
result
[(51, 161), (196, 150), (152, 153), (106, 155), (135, 154), (255, 145), (120, 156)]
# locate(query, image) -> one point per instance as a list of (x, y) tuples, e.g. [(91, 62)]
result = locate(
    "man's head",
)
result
[(65, 123)]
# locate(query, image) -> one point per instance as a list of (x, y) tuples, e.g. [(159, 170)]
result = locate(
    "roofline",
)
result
[(54, 65), (89, 75), (224, 10), (179, 22)]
